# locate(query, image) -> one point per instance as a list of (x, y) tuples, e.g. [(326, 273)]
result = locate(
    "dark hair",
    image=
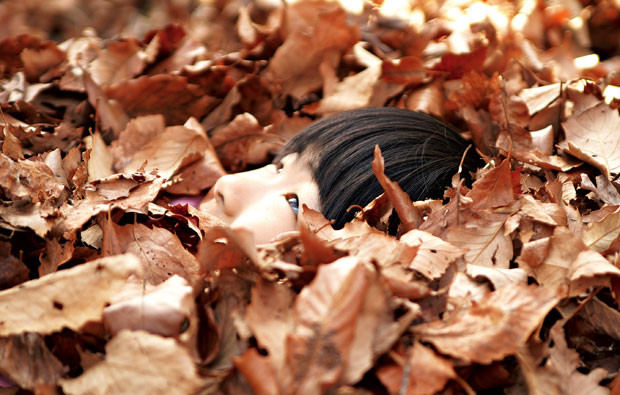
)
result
[(421, 153)]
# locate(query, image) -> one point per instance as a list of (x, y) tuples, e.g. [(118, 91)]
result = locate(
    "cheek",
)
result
[(266, 218)]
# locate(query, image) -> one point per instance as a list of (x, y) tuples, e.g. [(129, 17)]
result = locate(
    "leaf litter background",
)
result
[(110, 109)]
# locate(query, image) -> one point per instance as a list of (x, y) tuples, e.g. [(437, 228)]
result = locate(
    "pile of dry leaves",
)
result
[(108, 111)]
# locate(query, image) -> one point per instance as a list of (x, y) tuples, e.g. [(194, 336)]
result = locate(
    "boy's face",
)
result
[(265, 201)]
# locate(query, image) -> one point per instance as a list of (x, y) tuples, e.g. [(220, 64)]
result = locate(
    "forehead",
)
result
[(302, 161)]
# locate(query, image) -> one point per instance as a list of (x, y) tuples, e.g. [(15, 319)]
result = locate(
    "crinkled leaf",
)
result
[(483, 235), (335, 329), (69, 298), (314, 30), (599, 235), (495, 188), (138, 363), (169, 95), (428, 373), (409, 215), (434, 254), (120, 60), (570, 267), (161, 253), (167, 152), (591, 137), (120, 190), (493, 328), (26, 360)]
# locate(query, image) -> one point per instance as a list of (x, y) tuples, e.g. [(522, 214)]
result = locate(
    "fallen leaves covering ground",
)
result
[(110, 109)]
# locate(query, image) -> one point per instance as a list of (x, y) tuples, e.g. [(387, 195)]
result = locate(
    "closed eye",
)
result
[(293, 202)]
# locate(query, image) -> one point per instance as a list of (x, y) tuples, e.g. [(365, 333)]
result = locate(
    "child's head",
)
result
[(327, 166)]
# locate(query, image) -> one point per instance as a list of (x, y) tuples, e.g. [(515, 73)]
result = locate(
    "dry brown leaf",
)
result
[(570, 267), (493, 328), (17, 89), (201, 174), (534, 252), (245, 29), (111, 115), (335, 330), (364, 89), (546, 213), (601, 234), (409, 215), (257, 371), (221, 247), (227, 315), (483, 234), (138, 132), (138, 363), (434, 255), (12, 270), (19, 364), (40, 61), (357, 239), (160, 252), (312, 31), (54, 161), (458, 64), (270, 318), (197, 177), (526, 147), (591, 137), (169, 95), (28, 180), (36, 217), (122, 191), (429, 98), (69, 298), (464, 290), (406, 71), (496, 188), (508, 110), (162, 310), (167, 152), (57, 252), (497, 276), (224, 111), (120, 60), (599, 215), (484, 131), (172, 44), (559, 373), (604, 318), (11, 146), (428, 373), (604, 189), (538, 98), (100, 160), (233, 140)]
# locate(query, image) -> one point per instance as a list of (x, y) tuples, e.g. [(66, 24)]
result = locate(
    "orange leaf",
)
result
[(494, 189), (407, 212)]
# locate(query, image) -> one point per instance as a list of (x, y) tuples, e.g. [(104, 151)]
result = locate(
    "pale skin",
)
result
[(265, 201)]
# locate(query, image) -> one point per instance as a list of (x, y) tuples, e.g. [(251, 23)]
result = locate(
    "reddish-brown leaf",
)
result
[(495, 189), (164, 94), (407, 212), (457, 65)]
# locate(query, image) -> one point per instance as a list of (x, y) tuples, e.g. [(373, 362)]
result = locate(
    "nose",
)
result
[(233, 192)]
